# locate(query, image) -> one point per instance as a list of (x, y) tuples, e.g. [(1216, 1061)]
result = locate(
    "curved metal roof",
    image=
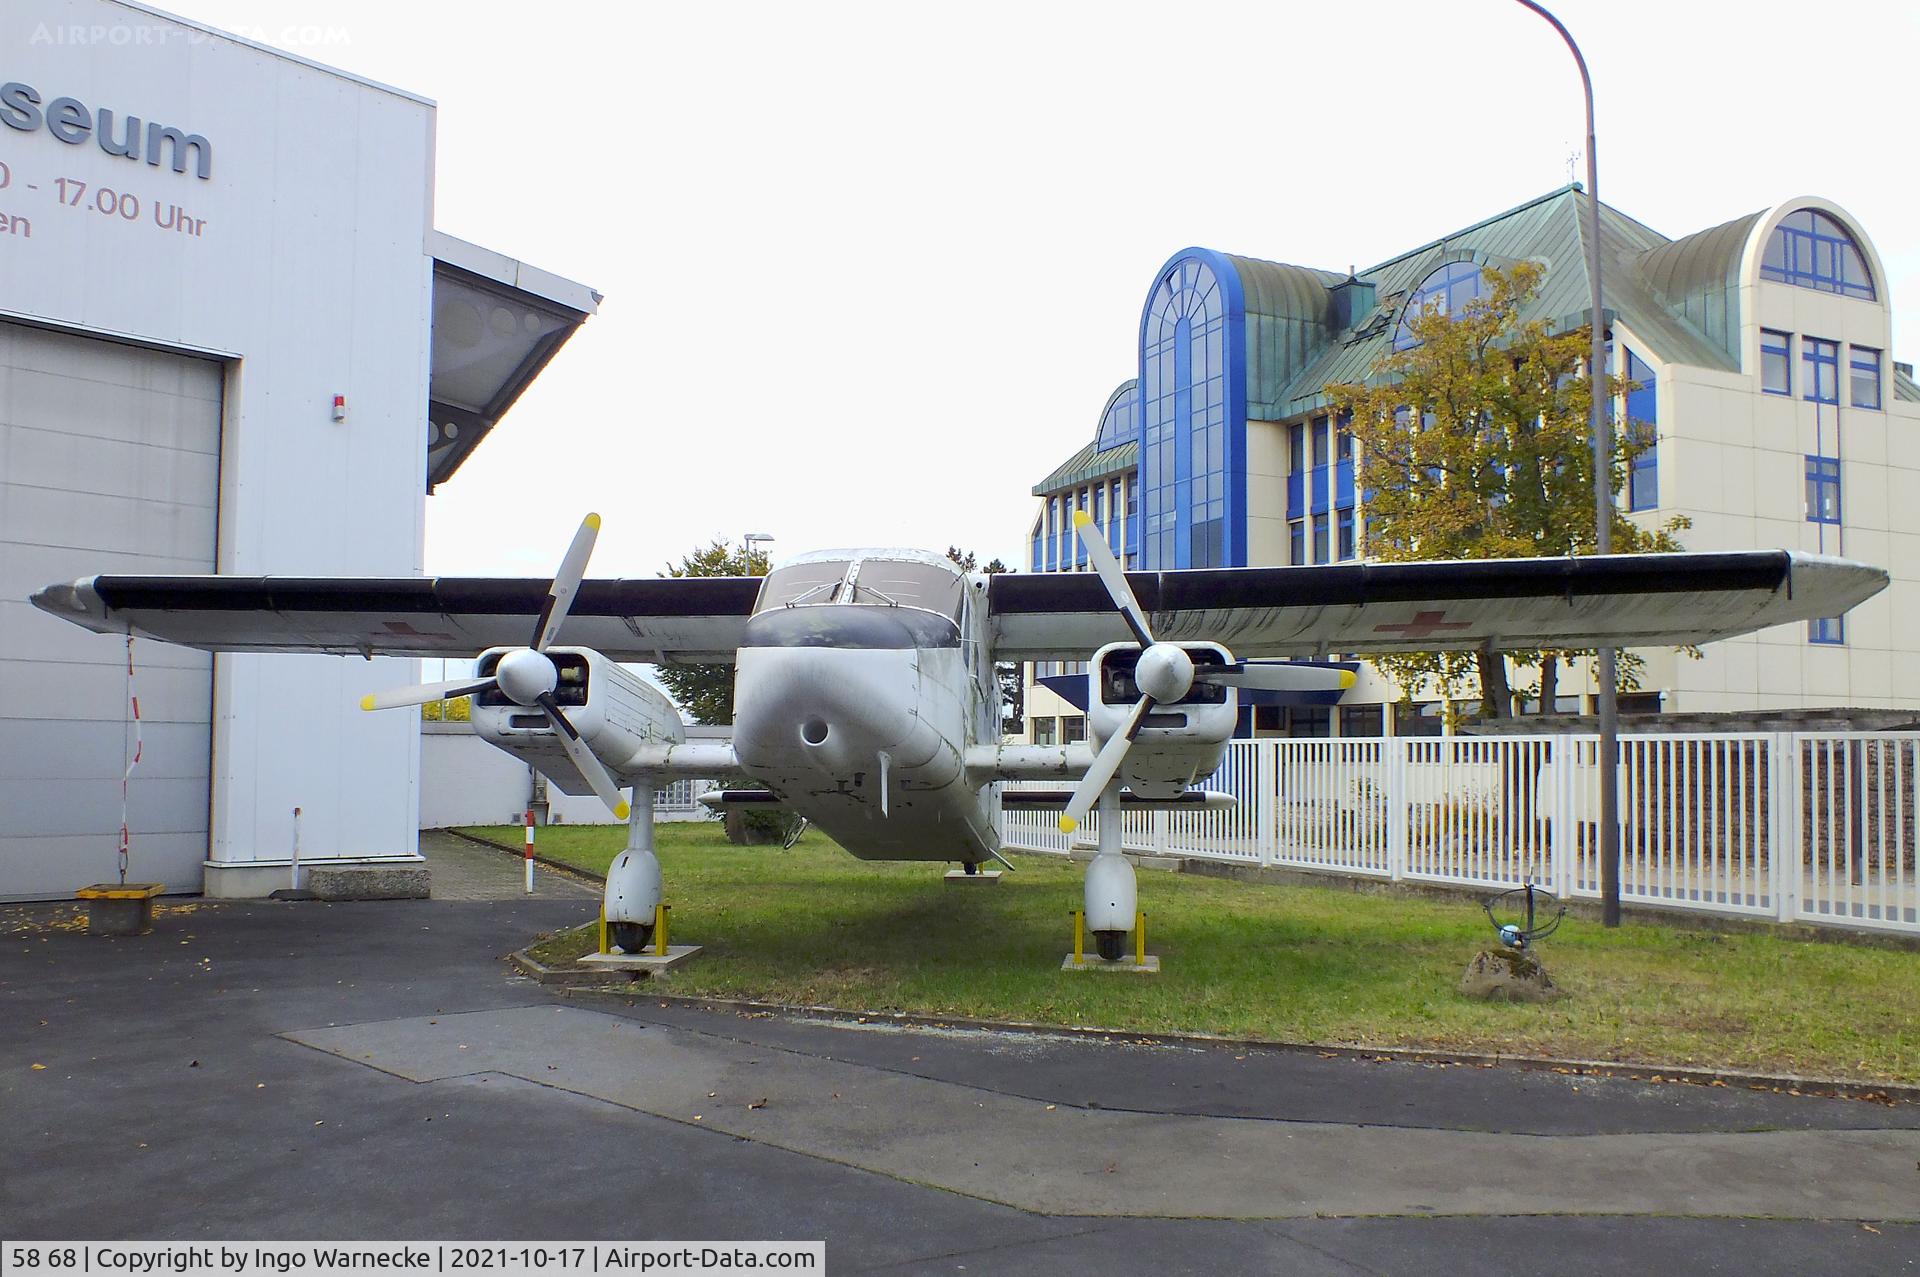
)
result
[(1699, 276), (1289, 314)]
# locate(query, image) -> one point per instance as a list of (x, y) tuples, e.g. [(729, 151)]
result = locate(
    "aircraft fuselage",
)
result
[(855, 702)]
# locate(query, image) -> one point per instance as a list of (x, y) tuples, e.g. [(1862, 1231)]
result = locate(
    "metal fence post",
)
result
[(1266, 784), (1783, 832), (1560, 824), (1396, 749)]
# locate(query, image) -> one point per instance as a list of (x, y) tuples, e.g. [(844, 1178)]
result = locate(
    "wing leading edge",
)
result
[(1641, 600), (1510, 604), (659, 620)]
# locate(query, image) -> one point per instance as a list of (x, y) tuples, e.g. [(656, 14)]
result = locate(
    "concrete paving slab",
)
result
[(1061, 1160), (1118, 1072)]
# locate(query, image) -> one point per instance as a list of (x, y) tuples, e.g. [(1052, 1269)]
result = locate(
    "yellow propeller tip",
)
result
[(366, 702), (622, 810), (593, 521), (1081, 518), (1068, 824), (1347, 679)]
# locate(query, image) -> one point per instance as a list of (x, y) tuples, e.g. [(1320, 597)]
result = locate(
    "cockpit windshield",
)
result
[(803, 583), (904, 584)]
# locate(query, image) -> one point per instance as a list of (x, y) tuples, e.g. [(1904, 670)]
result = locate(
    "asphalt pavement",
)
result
[(376, 1070)]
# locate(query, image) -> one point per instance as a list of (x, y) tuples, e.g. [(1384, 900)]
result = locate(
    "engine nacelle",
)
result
[(1180, 742), (614, 710)]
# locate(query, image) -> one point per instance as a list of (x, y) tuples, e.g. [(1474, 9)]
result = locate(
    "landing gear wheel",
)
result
[(1110, 944), (971, 867), (630, 937)]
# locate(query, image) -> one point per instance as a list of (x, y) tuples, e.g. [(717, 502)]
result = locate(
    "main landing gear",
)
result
[(632, 897), (1111, 894)]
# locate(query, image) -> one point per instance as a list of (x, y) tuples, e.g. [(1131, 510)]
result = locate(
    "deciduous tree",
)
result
[(1473, 443)]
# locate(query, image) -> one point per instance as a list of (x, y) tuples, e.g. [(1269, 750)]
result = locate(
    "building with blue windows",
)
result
[(1765, 389)]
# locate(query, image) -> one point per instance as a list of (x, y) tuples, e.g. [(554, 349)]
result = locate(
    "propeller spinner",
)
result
[(527, 676), (1166, 673)]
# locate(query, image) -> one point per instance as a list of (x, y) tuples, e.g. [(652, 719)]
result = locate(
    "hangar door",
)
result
[(109, 462)]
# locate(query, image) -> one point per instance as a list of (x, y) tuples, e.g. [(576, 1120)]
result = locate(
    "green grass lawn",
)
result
[(1306, 964)]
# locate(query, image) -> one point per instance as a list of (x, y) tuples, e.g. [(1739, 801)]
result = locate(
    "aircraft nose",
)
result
[(826, 691)]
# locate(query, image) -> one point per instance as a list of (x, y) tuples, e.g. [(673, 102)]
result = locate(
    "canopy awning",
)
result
[(496, 323)]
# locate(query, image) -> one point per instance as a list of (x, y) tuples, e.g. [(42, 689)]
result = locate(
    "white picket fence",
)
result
[(1799, 827)]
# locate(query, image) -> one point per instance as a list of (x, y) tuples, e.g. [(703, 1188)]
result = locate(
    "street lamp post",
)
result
[(748, 542), (1609, 760)]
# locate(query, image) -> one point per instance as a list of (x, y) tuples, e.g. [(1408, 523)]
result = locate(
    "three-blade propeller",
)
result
[(1165, 674), (527, 676)]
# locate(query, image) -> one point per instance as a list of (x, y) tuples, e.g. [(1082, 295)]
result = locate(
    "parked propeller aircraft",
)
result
[(864, 687)]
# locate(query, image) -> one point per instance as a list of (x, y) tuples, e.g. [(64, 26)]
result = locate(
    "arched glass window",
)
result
[(1183, 399), (1808, 249), (1121, 421), (1445, 291)]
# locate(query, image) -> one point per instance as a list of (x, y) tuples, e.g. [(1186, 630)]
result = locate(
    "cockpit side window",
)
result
[(921, 585), (801, 583)]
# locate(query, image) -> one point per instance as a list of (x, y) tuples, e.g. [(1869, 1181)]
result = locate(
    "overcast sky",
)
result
[(871, 270)]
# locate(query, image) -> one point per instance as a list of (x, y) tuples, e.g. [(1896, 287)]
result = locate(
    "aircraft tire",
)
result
[(631, 937), (1110, 944)]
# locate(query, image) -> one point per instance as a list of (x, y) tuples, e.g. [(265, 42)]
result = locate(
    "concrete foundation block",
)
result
[(645, 963), (961, 878), (368, 882), (1094, 962), (120, 909)]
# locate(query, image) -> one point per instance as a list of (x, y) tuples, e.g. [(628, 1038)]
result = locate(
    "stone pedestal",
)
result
[(1508, 975)]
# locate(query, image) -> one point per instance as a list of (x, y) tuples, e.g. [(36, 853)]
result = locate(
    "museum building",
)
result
[(230, 340), (1761, 349)]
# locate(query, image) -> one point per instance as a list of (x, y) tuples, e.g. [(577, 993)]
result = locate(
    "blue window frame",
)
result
[(1322, 543), (1116, 531), (1822, 359), (1445, 291), (1823, 489), (1193, 408), (1344, 547), (1643, 425), (1827, 629), (1079, 554), (1133, 515), (1297, 541), (1053, 533), (1864, 380), (1296, 470), (1808, 249), (1776, 362)]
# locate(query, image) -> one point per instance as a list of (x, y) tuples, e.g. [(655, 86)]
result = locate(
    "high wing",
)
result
[(1638, 600), (665, 620)]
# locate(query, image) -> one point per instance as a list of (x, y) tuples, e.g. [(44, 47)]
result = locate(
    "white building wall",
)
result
[(309, 275)]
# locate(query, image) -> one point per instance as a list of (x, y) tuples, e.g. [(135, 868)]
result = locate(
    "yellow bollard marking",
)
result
[(1140, 939), (1079, 931), (603, 927), (660, 913)]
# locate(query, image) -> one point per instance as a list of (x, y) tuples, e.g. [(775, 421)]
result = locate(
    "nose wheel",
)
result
[(1110, 944)]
